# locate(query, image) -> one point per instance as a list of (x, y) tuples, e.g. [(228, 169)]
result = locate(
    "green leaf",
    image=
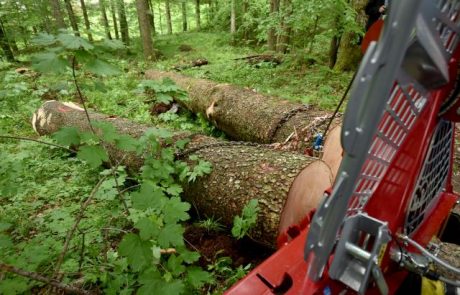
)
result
[(147, 229), (138, 252), (171, 235), (174, 190), (198, 277), (175, 210), (5, 226), (100, 67), (189, 256), (151, 282), (49, 62), (175, 265), (44, 39), (163, 98), (74, 42), (175, 287), (94, 155), (180, 144), (126, 143), (67, 136), (5, 241), (112, 45), (109, 133), (148, 197)]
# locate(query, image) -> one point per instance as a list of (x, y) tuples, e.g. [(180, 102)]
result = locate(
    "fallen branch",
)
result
[(38, 277)]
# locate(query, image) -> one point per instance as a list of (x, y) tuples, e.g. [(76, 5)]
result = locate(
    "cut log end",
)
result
[(305, 194), (332, 151)]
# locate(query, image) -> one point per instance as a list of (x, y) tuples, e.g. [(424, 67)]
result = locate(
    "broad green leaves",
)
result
[(165, 91), (242, 224), (136, 250)]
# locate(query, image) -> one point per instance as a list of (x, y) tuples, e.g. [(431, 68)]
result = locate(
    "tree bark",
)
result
[(197, 15), (349, 53), (233, 17), (57, 14), (114, 18), (72, 17), (284, 39), (249, 116), (105, 20), (123, 22), (152, 17), (168, 17), (85, 17), (271, 38), (5, 45), (245, 12), (287, 185), (145, 29), (184, 15)]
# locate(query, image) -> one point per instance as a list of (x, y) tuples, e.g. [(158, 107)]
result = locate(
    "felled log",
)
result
[(256, 59), (247, 115), (194, 64), (241, 172)]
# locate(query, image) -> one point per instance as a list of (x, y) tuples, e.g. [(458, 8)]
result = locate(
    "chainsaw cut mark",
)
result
[(73, 106)]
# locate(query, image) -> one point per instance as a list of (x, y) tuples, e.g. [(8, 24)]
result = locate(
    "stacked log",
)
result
[(241, 172)]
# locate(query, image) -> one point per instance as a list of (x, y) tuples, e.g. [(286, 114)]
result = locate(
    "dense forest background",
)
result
[(71, 223)]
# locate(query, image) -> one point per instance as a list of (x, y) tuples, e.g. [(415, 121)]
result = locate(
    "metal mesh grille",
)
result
[(433, 176), (446, 22), (401, 111)]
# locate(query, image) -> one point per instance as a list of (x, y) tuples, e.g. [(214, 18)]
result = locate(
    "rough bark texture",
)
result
[(349, 53), (105, 20), (85, 17), (145, 29), (197, 15), (168, 17), (123, 22), (184, 15), (72, 17), (233, 17), (240, 172), (152, 17), (57, 14), (284, 39), (114, 18), (271, 38), (247, 115)]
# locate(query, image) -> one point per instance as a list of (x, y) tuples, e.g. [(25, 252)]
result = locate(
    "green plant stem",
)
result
[(37, 277), (38, 141)]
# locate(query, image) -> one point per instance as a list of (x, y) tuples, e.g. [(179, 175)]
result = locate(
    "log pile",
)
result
[(241, 172)]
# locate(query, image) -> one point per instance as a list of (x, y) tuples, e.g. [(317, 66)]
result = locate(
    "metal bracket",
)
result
[(357, 255)]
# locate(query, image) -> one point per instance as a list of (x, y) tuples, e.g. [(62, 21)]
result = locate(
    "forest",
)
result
[(159, 146)]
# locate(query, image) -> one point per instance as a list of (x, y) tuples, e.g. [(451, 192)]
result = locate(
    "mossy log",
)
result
[(246, 115), (287, 185)]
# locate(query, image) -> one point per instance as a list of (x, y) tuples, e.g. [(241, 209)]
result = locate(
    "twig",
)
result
[(82, 251), (37, 277), (71, 232), (38, 141), (80, 95), (168, 251)]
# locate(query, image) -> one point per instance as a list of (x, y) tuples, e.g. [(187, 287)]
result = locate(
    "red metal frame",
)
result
[(388, 203)]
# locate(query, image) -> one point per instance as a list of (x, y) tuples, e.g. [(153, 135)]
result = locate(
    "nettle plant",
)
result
[(146, 254)]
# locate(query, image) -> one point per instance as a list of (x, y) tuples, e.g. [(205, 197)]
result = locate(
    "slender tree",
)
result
[(168, 17), (284, 39), (57, 15), (142, 8), (85, 17), (152, 17), (184, 15), (114, 18), (5, 45), (271, 38), (245, 12), (72, 17), (197, 15), (232, 17), (105, 20), (123, 22)]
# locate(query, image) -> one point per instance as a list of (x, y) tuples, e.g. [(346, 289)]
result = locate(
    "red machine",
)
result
[(393, 192)]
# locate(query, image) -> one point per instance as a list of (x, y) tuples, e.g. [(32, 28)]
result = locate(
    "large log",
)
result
[(241, 172), (246, 115)]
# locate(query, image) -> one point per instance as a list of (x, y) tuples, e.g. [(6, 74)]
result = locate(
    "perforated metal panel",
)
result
[(433, 176), (445, 23)]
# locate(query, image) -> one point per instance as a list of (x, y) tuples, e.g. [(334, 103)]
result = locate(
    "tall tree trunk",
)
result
[(349, 53), (287, 185), (197, 15), (57, 14), (123, 22), (142, 8), (271, 38), (114, 18), (245, 12), (233, 17), (72, 17), (5, 45), (152, 17), (105, 20), (160, 12), (168, 17), (85, 17), (284, 39), (184, 15)]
